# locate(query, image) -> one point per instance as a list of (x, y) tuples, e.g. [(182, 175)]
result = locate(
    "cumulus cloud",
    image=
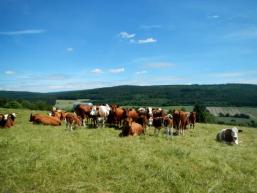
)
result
[(97, 71), (70, 49), (146, 41), (116, 70), (22, 32), (9, 72), (126, 35)]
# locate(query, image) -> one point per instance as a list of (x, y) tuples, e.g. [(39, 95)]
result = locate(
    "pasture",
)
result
[(36, 158)]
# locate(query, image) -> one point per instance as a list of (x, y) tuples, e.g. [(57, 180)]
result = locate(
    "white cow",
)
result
[(229, 136), (102, 112)]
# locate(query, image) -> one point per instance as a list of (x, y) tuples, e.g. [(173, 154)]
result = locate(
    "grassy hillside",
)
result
[(168, 95), (35, 158)]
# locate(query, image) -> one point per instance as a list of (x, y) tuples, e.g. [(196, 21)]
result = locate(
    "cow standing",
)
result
[(83, 110)]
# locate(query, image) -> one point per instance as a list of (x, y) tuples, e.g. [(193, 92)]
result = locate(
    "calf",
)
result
[(192, 119), (168, 124), (44, 119), (72, 120)]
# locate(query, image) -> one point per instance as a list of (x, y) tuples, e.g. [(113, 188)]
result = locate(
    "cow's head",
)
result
[(234, 134), (94, 111)]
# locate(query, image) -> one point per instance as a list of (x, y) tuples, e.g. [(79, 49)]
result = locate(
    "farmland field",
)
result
[(251, 111), (36, 158)]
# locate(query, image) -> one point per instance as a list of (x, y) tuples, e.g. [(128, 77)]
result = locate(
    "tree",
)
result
[(202, 114), (13, 104)]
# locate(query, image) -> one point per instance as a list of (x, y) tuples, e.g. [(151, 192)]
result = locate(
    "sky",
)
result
[(60, 45)]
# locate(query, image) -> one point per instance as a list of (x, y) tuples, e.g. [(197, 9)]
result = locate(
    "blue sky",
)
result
[(57, 45)]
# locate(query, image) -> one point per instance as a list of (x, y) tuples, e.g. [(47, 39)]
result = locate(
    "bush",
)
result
[(13, 105)]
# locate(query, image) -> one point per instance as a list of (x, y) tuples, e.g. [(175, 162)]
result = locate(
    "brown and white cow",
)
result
[(7, 120)]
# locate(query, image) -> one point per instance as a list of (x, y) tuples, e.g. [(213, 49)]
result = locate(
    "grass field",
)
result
[(36, 158)]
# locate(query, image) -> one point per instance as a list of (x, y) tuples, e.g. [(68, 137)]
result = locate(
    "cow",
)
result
[(176, 119), (168, 125), (83, 110), (58, 113), (158, 112), (7, 120), (119, 115), (229, 136), (44, 119), (192, 119), (132, 128), (132, 114), (72, 120), (184, 120), (2, 121), (157, 124), (101, 113)]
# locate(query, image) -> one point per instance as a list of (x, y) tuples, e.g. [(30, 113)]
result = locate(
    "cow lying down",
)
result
[(229, 136)]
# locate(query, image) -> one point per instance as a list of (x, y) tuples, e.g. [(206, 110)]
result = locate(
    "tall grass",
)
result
[(36, 158)]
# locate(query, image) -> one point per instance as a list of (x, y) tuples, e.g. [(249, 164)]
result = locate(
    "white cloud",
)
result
[(126, 35), (23, 32), (97, 71), (159, 65), (141, 72), (117, 70), (70, 49), (146, 41), (9, 72)]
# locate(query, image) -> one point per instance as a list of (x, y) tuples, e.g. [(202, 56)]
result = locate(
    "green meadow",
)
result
[(37, 158)]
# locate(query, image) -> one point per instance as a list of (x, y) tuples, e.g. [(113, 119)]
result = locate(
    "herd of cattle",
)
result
[(131, 121)]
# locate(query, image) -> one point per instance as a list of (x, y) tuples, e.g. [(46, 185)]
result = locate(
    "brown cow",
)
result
[(131, 128), (59, 113), (158, 112), (192, 119), (183, 121), (133, 114), (157, 123), (119, 115), (83, 110), (176, 119), (44, 119), (72, 120)]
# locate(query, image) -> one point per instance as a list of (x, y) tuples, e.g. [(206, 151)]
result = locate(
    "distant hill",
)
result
[(166, 95)]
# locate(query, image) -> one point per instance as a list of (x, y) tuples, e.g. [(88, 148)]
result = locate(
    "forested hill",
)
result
[(211, 95)]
